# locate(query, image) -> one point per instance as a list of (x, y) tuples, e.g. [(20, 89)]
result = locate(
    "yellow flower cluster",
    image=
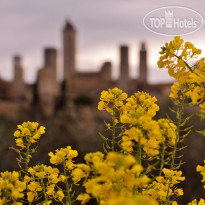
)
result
[(136, 200), (194, 202), (64, 154), (190, 79), (117, 178), (11, 188), (201, 169), (148, 136), (168, 130), (164, 186), (44, 178), (139, 108), (28, 132), (191, 85), (137, 112), (174, 56), (111, 99), (116, 175)]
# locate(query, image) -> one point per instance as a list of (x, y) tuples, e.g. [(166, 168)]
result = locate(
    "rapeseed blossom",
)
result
[(190, 79), (194, 202), (28, 132), (144, 144), (165, 186), (64, 154), (44, 178), (138, 112), (111, 99), (136, 200), (104, 178), (11, 188)]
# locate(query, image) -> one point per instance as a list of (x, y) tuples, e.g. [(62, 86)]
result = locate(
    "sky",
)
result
[(27, 27)]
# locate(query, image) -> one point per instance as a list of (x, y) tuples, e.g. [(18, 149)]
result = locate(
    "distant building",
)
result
[(47, 94)]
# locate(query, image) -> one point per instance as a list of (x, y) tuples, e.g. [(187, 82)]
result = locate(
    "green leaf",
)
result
[(172, 110), (185, 135), (186, 129), (181, 148), (102, 136), (178, 114), (105, 150), (201, 132), (105, 123), (119, 136), (201, 115), (186, 119), (107, 145)]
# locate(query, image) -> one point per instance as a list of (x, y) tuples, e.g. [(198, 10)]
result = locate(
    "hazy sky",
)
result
[(27, 27)]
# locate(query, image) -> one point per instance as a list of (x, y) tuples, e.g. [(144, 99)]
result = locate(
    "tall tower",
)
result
[(18, 70), (143, 65), (69, 49), (18, 83), (50, 58), (48, 89), (124, 68)]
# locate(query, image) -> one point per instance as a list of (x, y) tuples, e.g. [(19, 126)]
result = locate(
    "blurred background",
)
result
[(57, 56)]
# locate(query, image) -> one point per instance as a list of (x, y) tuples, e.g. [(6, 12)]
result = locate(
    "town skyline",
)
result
[(100, 33)]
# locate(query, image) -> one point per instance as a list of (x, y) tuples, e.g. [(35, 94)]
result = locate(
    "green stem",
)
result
[(189, 67), (6, 197), (139, 151), (179, 117), (27, 155), (167, 197), (162, 160), (27, 161), (113, 128), (68, 198), (44, 190)]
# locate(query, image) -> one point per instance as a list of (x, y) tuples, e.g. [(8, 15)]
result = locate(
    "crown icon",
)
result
[(169, 18), (168, 14)]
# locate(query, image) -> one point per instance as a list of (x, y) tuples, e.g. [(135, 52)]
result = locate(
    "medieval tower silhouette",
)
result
[(143, 65), (69, 51), (47, 92)]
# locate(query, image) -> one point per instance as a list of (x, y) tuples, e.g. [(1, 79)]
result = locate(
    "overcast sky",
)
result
[(27, 27)]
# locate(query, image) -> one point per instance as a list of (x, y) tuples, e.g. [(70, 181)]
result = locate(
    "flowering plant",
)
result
[(140, 163)]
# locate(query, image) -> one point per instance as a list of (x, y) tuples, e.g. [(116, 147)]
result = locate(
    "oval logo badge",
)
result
[(173, 21)]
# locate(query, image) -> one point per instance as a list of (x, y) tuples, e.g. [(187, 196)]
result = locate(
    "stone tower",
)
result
[(18, 91), (106, 75), (47, 86), (143, 65), (69, 50), (124, 69), (50, 58), (18, 70)]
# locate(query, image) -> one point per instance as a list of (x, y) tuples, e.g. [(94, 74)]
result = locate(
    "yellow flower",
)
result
[(47, 202), (64, 154), (84, 198), (34, 186), (40, 175), (28, 132), (77, 175), (30, 196), (20, 143), (50, 189), (11, 185), (60, 195), (179, 192), (17, 133)]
